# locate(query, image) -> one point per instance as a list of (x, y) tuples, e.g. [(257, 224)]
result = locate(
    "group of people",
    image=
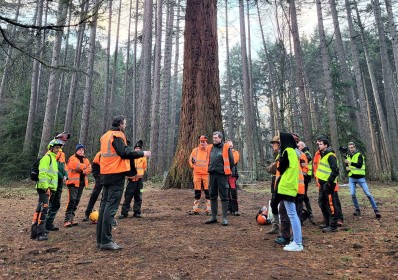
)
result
[(214, 172), (292, 170)]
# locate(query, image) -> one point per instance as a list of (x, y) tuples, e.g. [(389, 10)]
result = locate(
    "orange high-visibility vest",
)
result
[(110, 161), (201, 157), (140, 165), (301, 186), (227, 165), (97, 157), (75, 168)]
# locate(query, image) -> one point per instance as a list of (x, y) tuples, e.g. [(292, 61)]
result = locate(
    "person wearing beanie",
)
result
[(135, 185), (79, 167)]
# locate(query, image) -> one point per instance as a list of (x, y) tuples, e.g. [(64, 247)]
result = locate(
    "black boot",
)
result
[(41, 233), (357, 212), (378, 216), (214, 209), (224, 214), (33, 231)]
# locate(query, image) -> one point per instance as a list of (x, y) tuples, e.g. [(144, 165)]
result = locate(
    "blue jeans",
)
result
[(294, 221), (362, 183)]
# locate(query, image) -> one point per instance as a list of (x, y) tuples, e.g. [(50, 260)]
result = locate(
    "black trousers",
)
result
[(111, 196), (133, 190), (94, 196), (327, 201), (274, 203), (307, 180), (75, 193), (54, 203), (39, 217), (198, 194), (219, 186)]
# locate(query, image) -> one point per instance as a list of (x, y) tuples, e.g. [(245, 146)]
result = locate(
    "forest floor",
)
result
[(167, 243)]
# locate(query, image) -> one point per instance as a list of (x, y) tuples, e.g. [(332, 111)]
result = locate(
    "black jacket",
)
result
[(216, 161)]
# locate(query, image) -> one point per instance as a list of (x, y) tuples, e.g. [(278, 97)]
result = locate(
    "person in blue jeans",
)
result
[(356, 172), (287, 187)]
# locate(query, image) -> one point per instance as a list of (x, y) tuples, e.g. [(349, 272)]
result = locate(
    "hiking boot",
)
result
[(51, 227), (323, 226), (357, 212), (211, 221), (236, 213), (112, 246), (67, 224), (282, 241), (74, 224), (138, 215), (86, 219), (121, 217), (33, 231), (340, 223), (329, 229), (274, 229), (42, 237), (293, 247), (378, 216)]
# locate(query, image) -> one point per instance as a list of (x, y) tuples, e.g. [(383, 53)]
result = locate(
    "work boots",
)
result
[(224, 214), (377, 213), (33, 231), (275, 225), (41, 233), (214, 209), (357, 212)]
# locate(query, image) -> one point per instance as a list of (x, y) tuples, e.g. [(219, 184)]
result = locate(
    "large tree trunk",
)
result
[(75, 75), (247, 98), (142, 124), (49, 116), (165, 92), (393, 33), (33, 88), (201, 106), (327, 80), (365, 126), (127, 104), (84, 125), (304, 111), (154, 134)]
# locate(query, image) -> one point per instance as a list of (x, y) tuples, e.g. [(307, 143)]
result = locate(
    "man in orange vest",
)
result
[(220, 162), (135, 186), (199, 162), (115, 163), (233, 192)]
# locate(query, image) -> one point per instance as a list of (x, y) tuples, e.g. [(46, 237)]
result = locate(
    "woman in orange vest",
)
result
[(79, 167), (233, 192)]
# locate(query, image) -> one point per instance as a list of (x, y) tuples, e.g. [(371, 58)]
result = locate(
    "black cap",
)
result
[(139, 144)]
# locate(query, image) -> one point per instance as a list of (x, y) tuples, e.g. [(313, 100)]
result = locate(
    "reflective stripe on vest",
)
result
[(110, 161), (355, 170), (324, 169)]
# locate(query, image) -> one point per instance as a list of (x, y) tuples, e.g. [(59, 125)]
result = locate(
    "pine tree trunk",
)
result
[(247, 98), (393, 34), (33, 88), (133, 127), (105, 120), (201, 106), (230, 126), (142, 125), (365, 126), (304, 111), (49, 116), (154, 134), (75, 75), (127, 104), (165, 94), (327, 81), (84, 124)]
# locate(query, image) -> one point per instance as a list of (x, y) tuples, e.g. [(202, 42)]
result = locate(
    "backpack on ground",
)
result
[(34, 171)]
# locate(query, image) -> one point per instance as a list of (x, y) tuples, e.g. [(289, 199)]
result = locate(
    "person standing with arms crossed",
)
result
[(115, 163)]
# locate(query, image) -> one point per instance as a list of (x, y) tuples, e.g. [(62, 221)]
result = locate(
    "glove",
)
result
[(193, 160)]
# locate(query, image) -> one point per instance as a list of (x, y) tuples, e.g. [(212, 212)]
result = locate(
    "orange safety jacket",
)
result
[(97, 157), (201, 159), (140, 166), (76, 168), (301, 186), (227, 165), (235, 153), (110, 161)]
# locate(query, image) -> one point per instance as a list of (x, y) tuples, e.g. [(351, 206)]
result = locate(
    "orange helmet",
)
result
[(262, 219)]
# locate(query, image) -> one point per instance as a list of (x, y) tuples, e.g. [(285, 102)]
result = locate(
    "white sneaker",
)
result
[(293, 247)]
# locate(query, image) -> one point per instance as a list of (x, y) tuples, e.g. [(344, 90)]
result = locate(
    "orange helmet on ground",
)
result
[(262, 220)]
